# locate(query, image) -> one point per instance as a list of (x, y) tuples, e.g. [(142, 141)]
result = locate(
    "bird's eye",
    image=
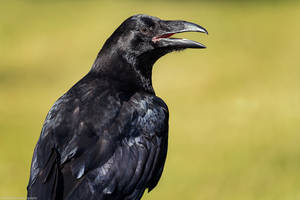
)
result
[(144, 30)]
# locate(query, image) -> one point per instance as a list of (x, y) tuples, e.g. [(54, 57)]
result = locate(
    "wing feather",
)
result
[(114, 152)]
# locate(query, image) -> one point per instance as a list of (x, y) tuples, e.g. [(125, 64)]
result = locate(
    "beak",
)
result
[(169, 28)]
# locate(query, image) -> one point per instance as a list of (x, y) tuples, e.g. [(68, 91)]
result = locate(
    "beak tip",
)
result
[(203, 30)]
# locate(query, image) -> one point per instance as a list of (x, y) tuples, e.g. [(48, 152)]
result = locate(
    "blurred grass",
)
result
[(235, 112)]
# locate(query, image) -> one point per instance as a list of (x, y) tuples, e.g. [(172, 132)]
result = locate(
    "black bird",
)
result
[(106, 138)]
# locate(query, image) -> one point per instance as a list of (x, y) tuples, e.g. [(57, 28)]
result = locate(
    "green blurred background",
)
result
[(234, 107)]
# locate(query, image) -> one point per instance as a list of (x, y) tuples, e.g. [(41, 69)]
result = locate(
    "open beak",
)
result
[(169, 28)]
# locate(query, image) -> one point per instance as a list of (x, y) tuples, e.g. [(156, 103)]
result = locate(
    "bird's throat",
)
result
[(126, 69)]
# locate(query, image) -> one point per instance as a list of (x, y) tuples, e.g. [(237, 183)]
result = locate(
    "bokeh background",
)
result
[(234, 107)]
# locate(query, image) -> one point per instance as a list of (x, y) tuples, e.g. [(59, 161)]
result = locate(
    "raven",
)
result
[(106, 138)]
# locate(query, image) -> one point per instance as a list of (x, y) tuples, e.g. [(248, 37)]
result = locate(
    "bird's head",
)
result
[(141, 40)]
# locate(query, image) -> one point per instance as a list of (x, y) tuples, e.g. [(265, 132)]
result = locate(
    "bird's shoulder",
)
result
[(151, 111), (100, 104)]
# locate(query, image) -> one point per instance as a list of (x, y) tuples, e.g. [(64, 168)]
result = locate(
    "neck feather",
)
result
[(127, 69)]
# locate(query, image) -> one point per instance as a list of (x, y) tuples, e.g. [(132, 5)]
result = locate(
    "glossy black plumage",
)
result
[(107, 137)]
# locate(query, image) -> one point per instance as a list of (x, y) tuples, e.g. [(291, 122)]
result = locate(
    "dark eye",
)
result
[(144, 30)]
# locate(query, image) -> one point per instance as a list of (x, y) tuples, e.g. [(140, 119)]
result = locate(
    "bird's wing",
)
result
[(73, 140), (139, 139), (115, 150), (45, 175), (47, 183)]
